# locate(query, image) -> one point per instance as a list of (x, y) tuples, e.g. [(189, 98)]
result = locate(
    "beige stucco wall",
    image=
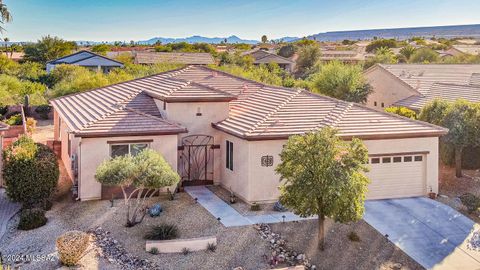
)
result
[(94, 151), (386, 88), (255, 183)]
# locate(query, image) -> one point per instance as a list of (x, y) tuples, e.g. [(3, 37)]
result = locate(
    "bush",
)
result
[(154, 250), (162, 232), (471, 201), (255, 207), (353, 236), (31, 219), (31, 125), (30, 171), (43, 111), (185, 251), (14, 120), (71, 246), (402, 111), (3, 110), (211, 247)]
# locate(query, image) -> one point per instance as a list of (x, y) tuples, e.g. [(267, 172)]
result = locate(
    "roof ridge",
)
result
[(276, 109), (152, 116), (335, 115)]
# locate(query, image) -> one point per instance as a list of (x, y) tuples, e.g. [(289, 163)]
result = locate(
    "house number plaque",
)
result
[(267, 161)]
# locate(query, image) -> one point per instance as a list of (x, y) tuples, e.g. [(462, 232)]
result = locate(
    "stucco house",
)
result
[(86, 59), (264, 57), (216, 128), (414, 85), (3, 128)]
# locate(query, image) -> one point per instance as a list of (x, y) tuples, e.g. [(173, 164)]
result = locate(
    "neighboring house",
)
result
[(86, 59), (173, 57), (216, 128), (3, 128), (414, 85), (264, 57), (467, 49), (342, 56)]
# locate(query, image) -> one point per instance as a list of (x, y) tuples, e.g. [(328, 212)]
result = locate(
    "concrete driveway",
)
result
[(433, 234)]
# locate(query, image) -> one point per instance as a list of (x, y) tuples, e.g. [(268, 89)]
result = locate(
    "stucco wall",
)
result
[(386, 89), (94, 151)]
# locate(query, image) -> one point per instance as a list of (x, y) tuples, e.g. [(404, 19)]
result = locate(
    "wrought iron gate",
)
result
[(196, 160)]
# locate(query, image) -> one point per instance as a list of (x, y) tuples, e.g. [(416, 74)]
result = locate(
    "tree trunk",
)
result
[(458, 161), (321, 231)]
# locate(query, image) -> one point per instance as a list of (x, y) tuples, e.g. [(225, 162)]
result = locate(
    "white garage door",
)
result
[(397, 176)]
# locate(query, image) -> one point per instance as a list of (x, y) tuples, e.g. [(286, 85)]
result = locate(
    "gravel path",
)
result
[(7, 210)]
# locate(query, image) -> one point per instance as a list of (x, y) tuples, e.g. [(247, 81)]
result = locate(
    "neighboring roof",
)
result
[(86, 58), (327, 55), (259, 111), (446, 91), (173, 57), (3, 126), (468, 49), (263, 57)]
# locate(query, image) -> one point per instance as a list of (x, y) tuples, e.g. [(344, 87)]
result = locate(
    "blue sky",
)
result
[(109, 20)]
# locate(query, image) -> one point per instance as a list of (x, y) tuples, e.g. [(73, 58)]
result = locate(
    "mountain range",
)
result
[(199, 39)]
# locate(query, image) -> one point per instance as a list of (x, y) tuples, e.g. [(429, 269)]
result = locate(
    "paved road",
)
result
[(7, 210), (433, 234), (230, 217)]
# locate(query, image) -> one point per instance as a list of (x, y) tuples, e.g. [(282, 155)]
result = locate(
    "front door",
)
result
[(196, 160)]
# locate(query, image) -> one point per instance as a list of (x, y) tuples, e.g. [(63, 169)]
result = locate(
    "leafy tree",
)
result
[(324, 176), (5, 16), (379, 43), (407, 51), (348, 42), (383, 55), (287, 50), (146, 173), (308, 57), (30, 172), (48, 48), (101, 49), (13, 91), (264, 39), (342, 81), (424, 55), (403, 111)]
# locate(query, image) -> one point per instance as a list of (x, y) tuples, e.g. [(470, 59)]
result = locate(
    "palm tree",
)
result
[(5, 16)]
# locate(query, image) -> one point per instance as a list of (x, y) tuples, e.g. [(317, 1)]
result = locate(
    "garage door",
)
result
[(397, 176)]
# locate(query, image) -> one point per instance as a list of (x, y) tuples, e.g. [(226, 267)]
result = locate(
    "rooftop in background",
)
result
[(257, 111), (86, 58), (264, 57), (468, 49), (3, 126), (173, 57)]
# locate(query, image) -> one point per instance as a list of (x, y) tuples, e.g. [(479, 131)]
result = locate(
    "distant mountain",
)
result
[(286, 39), (199, 39), (402, 33)]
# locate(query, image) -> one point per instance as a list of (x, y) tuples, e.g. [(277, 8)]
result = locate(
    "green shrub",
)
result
[(471, 201), (402, 111), (153, 250), (470, 156), (185, 251), (211, 247), (31, 219), (255, 207), (162, 232), (14, 120), (43, 111), (30, 171), (3, 110), (353, 236), (71, 246)]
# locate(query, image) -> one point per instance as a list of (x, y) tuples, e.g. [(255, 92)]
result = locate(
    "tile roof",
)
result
[(447, 91), (263, 57), (258, 112), (173, 57), (468, 48), (3, 126), (86, 58)]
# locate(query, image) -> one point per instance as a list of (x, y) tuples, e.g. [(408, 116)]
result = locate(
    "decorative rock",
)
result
[(277, 206), (397, 266), (155, 210)]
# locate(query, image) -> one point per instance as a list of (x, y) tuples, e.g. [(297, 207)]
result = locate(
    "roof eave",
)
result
[(128, 134)]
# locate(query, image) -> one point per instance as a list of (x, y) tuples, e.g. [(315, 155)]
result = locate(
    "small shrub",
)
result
[(154, 250), (255, 207), (471, 201), (211, 247), (31, 219), (185, 251), (353, 236), (162, 232), (14, 120), (3, 110), (31, 125), (43, 111), (71, 246)]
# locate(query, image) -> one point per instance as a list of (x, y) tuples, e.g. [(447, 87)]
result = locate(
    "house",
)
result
[(173, 57), (414, 85), (472, 49), (264, 57), (342, 56), (86, 59), (3, 128), (216, 128)]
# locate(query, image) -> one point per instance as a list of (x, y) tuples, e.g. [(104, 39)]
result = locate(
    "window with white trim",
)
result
[(229, 155), (123, 149)]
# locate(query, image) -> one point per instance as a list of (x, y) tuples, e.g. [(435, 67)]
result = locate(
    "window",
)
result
[(407, 159), (418, 158), (59, 128), (69, 145), (386, 160), (126, 149), (397, 159), (375, 160), (229, 155), (375, 103), (383, 105)]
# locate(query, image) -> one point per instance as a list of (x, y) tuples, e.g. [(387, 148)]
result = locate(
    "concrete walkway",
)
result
[(229, 217), (7, 210), (433, 234)]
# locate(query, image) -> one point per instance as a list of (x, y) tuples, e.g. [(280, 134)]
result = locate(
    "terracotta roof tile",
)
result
[(173, 57)]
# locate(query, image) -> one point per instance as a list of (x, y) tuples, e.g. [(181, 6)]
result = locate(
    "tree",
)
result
[(5, 16), (30, 172), (383, 55), (324, 176), (146, 173), (287, 51), (402, 111), (6, 40), (48, 48), (308, 57), (424, 55), (407, 51), (462, 118), (264, 39), (101, 49), (342, 81), (374, 45)]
